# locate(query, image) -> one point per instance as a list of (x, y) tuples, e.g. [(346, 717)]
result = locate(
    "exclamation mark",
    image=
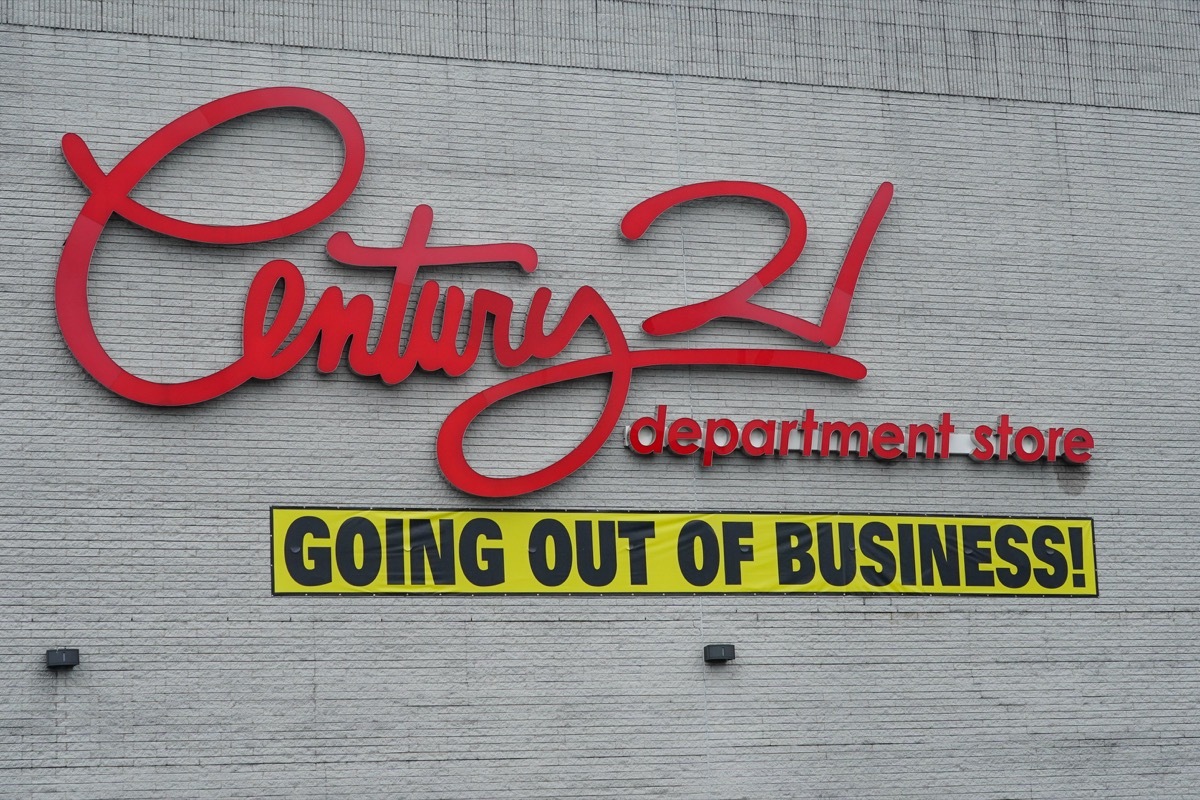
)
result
[(1076, 536)]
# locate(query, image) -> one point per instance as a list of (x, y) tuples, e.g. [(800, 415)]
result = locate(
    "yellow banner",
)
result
[(342, 551)]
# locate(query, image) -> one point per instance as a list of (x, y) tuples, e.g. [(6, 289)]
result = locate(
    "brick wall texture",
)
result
[(1038, 261)]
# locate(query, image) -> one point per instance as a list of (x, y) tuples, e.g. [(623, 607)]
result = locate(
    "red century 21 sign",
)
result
[(274, 344)]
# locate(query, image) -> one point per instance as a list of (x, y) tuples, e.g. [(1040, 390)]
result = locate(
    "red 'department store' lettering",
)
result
[(339, 328)]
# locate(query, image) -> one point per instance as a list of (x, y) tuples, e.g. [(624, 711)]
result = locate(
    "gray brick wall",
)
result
[(1037, 261), (1132, 54)]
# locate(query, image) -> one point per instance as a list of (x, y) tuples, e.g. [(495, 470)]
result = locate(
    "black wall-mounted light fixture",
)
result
[(62, 658), (718, 653)]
